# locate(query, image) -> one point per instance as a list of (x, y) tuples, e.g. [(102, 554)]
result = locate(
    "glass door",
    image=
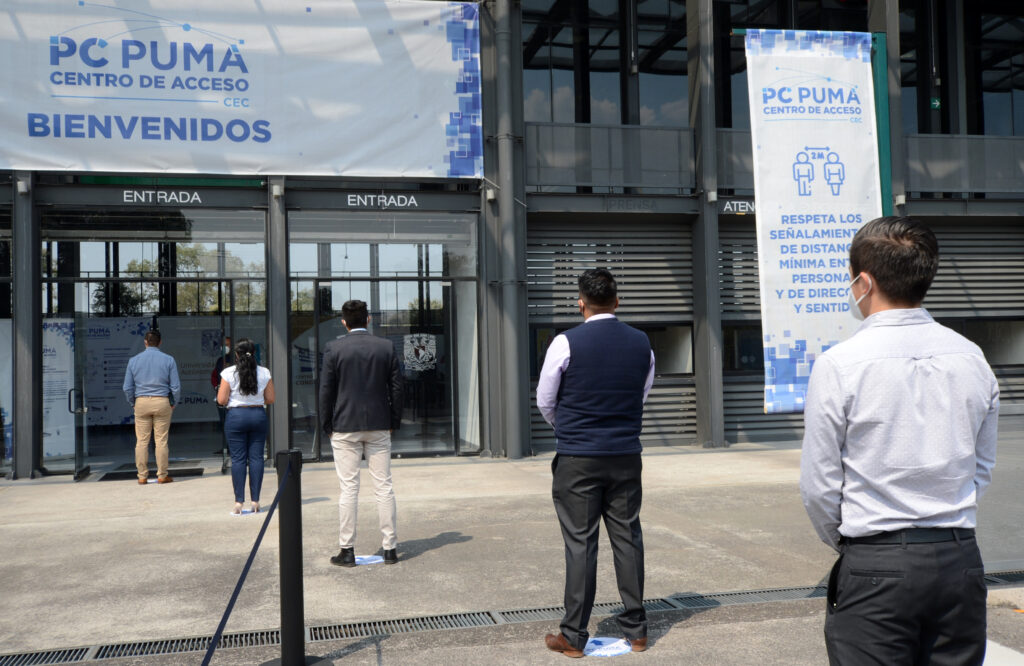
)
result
[(108, 279), (417, 274), (416, 316), (65, 402)]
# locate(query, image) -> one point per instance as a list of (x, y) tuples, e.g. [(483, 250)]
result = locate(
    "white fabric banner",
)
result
[(816, 181), (357, 88)]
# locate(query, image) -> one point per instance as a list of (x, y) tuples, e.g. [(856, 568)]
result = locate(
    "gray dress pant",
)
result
[(585, 490), (919, 603)]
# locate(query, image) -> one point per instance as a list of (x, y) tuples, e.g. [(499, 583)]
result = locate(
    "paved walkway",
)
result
[(105, 562)]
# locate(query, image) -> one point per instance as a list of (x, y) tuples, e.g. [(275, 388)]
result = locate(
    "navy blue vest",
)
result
[(600, 399)]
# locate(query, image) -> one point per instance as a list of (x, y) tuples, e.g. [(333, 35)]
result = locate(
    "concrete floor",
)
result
[(103, 562)]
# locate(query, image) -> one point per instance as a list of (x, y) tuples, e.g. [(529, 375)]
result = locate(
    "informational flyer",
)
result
[(816, 181), (58, 381)]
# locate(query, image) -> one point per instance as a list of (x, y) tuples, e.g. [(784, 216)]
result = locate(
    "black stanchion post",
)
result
[(289, 523)]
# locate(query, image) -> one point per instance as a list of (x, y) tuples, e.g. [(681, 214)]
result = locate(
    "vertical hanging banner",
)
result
[(816, 181)]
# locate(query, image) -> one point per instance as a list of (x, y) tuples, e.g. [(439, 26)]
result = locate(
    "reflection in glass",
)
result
[(109, 277), (995, 68), (401, 265), (432, 325), (6, 347), (661, 40)]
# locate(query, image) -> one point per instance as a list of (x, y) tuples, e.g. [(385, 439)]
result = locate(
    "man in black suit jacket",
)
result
[(360, 406)]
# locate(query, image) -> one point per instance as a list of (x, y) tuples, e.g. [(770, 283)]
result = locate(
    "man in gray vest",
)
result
[(592, 389)]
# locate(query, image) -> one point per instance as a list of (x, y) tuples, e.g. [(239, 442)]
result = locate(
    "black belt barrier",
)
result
[(245, 570)]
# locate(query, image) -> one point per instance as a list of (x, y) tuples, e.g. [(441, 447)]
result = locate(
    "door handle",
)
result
[(71, 408)]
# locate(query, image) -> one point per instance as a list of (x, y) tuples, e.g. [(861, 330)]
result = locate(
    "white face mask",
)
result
[(227, 349), (855, 303)]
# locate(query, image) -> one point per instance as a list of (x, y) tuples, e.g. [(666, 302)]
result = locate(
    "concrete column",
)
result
[(707, 320), (28, 335), (277, 314), (884, 16), (514, 391)]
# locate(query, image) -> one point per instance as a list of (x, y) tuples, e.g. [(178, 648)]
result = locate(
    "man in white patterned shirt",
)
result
[(899, 445)]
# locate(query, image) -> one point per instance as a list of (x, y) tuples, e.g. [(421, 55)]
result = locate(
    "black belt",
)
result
[(913, 535)]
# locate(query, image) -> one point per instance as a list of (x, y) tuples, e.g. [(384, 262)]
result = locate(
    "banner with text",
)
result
[(381, 88), (815, 148)]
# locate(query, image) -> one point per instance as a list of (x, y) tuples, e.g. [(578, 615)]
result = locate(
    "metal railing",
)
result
[(609, 158)]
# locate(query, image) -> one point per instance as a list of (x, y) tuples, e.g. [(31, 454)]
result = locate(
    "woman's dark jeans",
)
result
[(246, 431)]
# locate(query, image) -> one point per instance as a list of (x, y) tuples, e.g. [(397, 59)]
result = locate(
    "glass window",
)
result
[(731, 105), (742, 349), (572, 62), (731, 93), (909, 66), (672, 347), (332, 244), (661, 42), (995, 64), (1001, 340)]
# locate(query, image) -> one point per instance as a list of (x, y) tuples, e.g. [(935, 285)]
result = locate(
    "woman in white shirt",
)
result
[(245, 389)]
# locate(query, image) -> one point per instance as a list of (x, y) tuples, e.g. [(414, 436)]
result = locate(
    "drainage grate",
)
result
[(402, 626), (49, 657), (753, 597), (429, 623), (193, 644), (1005, 578)]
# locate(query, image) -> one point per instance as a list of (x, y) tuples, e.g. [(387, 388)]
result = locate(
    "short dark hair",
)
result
[(153, 337), (355, 314), (598, 288), (900, 253)]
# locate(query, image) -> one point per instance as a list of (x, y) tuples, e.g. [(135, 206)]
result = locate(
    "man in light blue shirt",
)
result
[(899, 445), (152, 387)]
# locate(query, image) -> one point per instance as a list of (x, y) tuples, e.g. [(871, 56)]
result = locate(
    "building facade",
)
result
[(617, 135)]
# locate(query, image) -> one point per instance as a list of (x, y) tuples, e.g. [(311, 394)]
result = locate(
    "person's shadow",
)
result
[(661, 622), (407, 550), (352, 648)]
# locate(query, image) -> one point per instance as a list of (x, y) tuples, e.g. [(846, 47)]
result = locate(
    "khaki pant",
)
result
[(349, 448), (152, 416)]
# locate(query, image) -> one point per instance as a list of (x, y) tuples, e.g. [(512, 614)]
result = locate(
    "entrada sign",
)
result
[(382, 201), (176, 197)]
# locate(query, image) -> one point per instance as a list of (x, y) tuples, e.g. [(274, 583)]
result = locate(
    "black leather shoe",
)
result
[(345, 558), (391, 556)]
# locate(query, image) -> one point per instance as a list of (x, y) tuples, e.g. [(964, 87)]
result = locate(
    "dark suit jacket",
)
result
[(360, 385)]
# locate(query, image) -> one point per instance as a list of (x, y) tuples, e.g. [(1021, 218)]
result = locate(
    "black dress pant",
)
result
[(919, 603), (585, 490)]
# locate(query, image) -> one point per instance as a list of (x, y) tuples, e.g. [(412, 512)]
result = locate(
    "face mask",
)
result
[(854, 304), (227, 350)]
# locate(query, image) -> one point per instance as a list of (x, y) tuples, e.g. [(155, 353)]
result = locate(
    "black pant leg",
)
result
[(577, 495), (957, 632), (874, 621), (622, 500)]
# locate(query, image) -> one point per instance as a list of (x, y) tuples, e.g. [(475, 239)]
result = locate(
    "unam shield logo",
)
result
[(420, 351)]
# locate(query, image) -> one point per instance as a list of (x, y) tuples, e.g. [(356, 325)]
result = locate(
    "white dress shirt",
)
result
[(900, 429), (556, 361)]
